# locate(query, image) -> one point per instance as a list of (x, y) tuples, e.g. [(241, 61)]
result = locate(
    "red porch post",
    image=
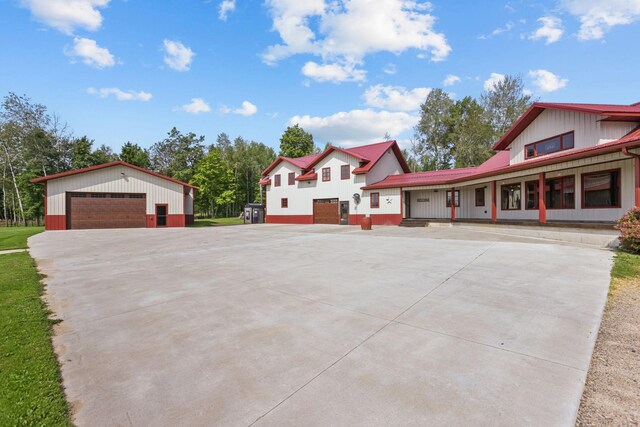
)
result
[(637, 180), (494, 207), (542, 207), (453, 203)]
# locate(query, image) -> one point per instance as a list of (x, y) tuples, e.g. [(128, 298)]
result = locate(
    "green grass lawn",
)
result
[(30, 387), (214, 222), (16, 237), (625, 265)]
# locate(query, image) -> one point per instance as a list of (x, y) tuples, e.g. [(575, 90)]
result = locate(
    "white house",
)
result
[(326, 188), (557, 163)]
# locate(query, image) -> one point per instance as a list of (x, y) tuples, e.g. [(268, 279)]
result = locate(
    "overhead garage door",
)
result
[(325, 211), (106, 210)]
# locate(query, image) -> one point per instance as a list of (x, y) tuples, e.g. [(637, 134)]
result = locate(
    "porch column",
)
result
[(542, 207), (453, 203), (494, 207), (637, 180)]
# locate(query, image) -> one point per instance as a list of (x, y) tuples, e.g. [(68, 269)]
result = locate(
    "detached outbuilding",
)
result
[(115, 195)]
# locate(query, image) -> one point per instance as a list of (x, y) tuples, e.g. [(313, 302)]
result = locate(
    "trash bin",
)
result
[(253, 213)]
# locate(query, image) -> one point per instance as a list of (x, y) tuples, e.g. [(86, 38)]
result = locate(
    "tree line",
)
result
[(34, 142)]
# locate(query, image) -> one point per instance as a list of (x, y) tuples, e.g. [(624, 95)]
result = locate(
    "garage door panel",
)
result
[(326, 211), (91, 211)]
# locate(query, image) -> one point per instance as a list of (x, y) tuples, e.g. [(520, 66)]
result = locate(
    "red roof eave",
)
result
[(43, 179), (307, 177), (530, 164)]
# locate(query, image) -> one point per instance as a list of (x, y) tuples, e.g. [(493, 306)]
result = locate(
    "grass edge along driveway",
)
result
[(16, 237), (30, 385)]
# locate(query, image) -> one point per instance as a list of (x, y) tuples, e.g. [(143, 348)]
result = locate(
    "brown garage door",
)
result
[(325, 211), (106, 210)]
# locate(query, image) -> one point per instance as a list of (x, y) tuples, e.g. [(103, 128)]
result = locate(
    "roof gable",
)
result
[(104, 166), (610, 111)]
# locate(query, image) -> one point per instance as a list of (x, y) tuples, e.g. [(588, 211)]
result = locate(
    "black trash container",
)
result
[(253, 213)]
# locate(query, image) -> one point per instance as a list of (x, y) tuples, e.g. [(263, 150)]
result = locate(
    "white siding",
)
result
[(188, 208), (301, 195), (588, 129), (387, 165), (111, 180), (435, 207)]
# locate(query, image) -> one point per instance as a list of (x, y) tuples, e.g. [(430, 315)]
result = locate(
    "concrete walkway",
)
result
[(281, 325), (12, 251)]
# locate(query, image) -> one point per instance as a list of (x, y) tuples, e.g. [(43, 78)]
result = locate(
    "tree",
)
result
[(295, 142), (81, 149), (177, 155), (504, 103), (215, 180), (470, 133), (135, 155), (432, 148)]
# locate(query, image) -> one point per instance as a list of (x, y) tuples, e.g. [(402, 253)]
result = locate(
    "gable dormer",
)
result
[(546, 129)]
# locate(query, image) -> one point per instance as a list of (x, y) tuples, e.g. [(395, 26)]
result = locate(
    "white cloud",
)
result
[(546, 81), (395, 98), (247, 109), (390, 69), (356, 127), (508, 27), (91, 54), (346, 31), (178, 56), (196, 106), (66, 15), (120, 95), (335, 73), (551, 30), (226, 6), (450, 80), (598, 16), (493, 79)]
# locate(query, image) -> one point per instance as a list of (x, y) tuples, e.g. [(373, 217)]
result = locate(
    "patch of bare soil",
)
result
[(612, 391)]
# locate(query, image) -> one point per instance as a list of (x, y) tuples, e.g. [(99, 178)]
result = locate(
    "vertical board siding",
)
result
[(435, 207), (588, 130), (111, 180), (301, 195)]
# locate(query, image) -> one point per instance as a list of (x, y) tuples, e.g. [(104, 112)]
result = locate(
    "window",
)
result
[(479, 196), (326, 174), (532, 195), (375, 200), (510, 200), (292, 178), (284, 203), (276, 180), (457, 196), (548, 146), (559, 193), (601, 189), (344, 172)]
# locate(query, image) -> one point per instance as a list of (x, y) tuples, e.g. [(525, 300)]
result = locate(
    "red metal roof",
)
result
[(107, 165), (499, 164), (299, 162), (367, 154), (265, 181), (609, 110), (309, 176)]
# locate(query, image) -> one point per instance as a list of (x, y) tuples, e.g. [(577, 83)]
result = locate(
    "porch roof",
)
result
[(499, 164)]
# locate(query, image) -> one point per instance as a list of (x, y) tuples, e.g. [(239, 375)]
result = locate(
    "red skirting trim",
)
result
[(55, 222), (289, 219), (151, 221), (174, 220), (377, 219)]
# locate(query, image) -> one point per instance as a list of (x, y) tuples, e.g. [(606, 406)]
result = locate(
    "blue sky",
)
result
[(347, 71)]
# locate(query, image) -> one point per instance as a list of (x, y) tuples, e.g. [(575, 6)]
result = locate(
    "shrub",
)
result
[(629, 226)]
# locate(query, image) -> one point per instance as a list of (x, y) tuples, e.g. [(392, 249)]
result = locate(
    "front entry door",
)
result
[(407, 204), (344, 213), (161, 215)]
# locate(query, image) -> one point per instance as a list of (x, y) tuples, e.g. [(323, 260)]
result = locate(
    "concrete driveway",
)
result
[(321, 325)]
